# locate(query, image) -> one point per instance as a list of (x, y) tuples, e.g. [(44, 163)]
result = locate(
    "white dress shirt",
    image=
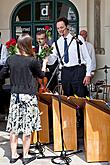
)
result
[(73, 54), (91, 51), (40, 48), (4, 55)]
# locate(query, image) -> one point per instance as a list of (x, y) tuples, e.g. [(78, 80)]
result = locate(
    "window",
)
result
[(24, 13), (65, 10), (31, 15)]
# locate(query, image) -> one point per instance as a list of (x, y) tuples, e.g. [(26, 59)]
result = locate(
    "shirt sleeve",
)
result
[(35, 68), (4, 55), (93, 58), (85, 56), (54, 56)]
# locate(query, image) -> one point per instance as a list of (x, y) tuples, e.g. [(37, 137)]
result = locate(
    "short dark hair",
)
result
[(41, 32), (64, 20)]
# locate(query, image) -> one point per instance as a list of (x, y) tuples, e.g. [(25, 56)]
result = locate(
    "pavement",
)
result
[(5, 153)]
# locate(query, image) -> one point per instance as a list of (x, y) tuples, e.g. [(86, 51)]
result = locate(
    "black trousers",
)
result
[(72, 80)]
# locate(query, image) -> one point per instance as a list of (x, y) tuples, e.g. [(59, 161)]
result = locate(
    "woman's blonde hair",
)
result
[(24, 44)]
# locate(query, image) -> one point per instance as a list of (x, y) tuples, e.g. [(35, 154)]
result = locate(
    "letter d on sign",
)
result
[(44, 11)]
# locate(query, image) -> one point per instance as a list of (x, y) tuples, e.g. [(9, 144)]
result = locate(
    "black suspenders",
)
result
[(78, 52), (58, 52), (0, 49)]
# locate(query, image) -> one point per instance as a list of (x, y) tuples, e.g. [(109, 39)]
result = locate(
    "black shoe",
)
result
[(28, 160), (13, 160)]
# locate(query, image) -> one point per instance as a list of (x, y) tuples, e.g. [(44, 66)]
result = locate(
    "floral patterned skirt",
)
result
[(24, 115)]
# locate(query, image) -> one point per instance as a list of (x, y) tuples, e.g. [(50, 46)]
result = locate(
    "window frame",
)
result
[(34, 22)]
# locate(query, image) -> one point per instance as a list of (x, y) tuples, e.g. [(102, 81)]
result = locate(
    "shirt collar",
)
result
[(68, 36)]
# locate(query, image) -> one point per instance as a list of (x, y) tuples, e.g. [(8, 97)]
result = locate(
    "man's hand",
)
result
[(45, 46), (86, 80)]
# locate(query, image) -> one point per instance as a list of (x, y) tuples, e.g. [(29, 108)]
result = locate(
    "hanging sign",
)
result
[(44, 8)]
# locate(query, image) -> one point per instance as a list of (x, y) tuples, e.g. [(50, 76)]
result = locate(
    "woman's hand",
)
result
[(45, 61)]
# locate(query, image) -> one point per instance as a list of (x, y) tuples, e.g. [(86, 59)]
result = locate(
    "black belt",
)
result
[(73, 67)]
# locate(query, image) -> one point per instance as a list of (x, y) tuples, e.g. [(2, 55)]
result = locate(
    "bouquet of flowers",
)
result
[(11, 46), (46, 50)]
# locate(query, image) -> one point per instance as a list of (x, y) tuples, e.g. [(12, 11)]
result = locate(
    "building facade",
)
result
[(31, 16)]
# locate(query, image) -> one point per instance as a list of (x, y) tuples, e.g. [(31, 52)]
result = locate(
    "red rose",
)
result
[(13, 42), (11, 46), (7, 44), (47, 27)]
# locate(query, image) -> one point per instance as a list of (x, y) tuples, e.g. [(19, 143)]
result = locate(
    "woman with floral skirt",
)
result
[(24, 116)]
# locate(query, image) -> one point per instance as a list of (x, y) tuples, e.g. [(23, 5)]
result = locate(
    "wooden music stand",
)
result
[(44, 104), (68, 108), (64, 128), (79, 102), (68, 112), (97, 131)]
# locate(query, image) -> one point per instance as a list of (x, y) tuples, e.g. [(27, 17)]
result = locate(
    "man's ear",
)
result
[(68, 27)]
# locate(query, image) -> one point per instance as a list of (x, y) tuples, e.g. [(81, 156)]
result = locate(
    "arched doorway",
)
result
[(33, 15)]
